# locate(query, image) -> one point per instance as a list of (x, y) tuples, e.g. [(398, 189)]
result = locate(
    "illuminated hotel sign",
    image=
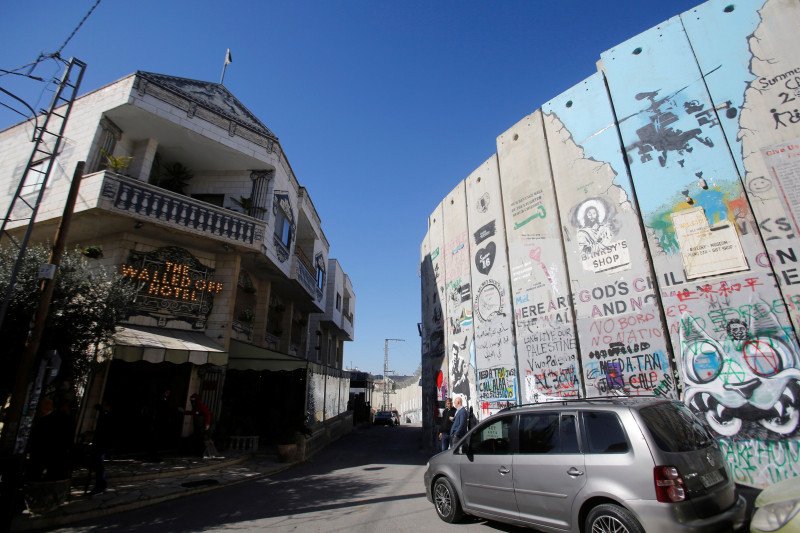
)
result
[(172, 285), (174, 280)]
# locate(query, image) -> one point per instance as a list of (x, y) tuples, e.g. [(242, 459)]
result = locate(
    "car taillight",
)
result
[(669, 484)]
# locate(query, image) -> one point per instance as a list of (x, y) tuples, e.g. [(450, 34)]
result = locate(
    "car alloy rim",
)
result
[(443, 500), (608, 524)]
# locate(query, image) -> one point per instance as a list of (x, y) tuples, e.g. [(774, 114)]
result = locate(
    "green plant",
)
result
[(247, 316), (173, 177), (117, 164), (88, 303), (246, 204), (93, 252)]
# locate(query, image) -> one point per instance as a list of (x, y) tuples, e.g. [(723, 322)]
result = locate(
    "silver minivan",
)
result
[(598, 465)]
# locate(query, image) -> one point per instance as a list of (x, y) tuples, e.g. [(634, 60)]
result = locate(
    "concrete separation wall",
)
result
[(637, 236)]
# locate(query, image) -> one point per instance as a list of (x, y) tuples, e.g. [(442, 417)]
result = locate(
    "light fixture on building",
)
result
[(138, 224), (226, 247)]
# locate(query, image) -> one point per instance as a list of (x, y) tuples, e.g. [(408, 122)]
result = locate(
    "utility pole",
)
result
[(386, 372), (47, 140), (27, 387)]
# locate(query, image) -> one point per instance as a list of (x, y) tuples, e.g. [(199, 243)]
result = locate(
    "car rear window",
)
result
[(675, 428)]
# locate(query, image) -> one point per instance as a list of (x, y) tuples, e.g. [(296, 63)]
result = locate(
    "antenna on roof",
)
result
[(228, 61)]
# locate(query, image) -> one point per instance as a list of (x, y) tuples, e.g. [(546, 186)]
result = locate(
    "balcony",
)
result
[(150, 203), (303, 274)]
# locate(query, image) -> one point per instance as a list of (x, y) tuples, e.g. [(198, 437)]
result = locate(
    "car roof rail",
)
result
[(565, 401)]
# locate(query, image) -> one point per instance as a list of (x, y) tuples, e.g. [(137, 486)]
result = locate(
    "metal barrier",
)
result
[(245, 443)]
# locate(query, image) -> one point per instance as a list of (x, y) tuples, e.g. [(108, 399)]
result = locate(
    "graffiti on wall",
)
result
[(723, 343), (494, 353), (460, 370), (596, 232), (497, 384), (745, 380), (460, 320), (661, 137), (723, 203), (628, 370), (754, 462)]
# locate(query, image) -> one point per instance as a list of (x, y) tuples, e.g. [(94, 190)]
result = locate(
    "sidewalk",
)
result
[(133, 484)]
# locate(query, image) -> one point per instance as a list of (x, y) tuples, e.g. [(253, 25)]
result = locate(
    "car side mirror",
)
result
[(465, 449)]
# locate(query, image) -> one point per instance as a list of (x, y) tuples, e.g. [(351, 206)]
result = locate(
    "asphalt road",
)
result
[(370, 480)]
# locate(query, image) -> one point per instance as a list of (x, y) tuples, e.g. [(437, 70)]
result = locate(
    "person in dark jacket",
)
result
[(460, 422), (448, 415)]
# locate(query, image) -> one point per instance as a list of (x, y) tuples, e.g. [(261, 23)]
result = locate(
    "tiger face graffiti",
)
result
[(747, 379)]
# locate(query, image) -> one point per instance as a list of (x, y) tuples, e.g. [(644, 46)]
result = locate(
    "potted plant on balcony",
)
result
[(245, 204), (117, 164), (173, 177)]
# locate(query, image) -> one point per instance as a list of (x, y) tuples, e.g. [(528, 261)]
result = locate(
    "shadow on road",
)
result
[(350, 472)]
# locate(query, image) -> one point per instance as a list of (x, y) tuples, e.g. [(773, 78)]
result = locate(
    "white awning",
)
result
[(160, 345)]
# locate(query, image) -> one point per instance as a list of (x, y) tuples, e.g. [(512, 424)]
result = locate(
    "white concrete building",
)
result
[(227, 249)]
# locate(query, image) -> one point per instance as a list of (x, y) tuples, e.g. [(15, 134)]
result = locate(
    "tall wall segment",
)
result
[(637, 235)]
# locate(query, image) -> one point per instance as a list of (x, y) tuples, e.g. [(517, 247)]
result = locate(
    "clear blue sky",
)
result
[(382, 107)]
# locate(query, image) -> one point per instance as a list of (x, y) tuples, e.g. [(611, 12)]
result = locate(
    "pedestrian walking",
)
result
[(201, 417), (448, 415)]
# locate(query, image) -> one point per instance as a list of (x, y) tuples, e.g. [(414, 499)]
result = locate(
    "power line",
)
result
[(71, 35)]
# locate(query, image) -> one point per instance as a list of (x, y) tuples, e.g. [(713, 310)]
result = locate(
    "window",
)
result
[(492, 439), (674, 428), (604, 433), (548, 433), (283, 228), (106, 143), (338, 302), (320, 278)]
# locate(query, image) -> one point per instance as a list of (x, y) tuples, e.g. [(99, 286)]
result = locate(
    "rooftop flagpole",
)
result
[(228, 60)]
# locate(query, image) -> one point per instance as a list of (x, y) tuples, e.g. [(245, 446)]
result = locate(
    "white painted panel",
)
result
[(458, 318), (548, 362), (621, 334), (495, 354)]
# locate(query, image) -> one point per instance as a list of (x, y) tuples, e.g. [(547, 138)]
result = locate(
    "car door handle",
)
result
[(503, 470), (574, 472)]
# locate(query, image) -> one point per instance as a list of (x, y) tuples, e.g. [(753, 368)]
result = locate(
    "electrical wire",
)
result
[(71, 35), (55, 55)]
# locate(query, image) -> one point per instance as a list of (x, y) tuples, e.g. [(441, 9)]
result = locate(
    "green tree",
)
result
[(88, 302)]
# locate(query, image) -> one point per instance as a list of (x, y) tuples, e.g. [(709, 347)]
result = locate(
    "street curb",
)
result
[(172, 473), (55, 521)]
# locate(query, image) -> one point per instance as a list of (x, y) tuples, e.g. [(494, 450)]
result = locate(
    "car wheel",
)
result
[(445, 499), (609, 518)]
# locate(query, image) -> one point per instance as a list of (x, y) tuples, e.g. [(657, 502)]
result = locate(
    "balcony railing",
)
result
[(132, 196), (307, 280), (301, 255)]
